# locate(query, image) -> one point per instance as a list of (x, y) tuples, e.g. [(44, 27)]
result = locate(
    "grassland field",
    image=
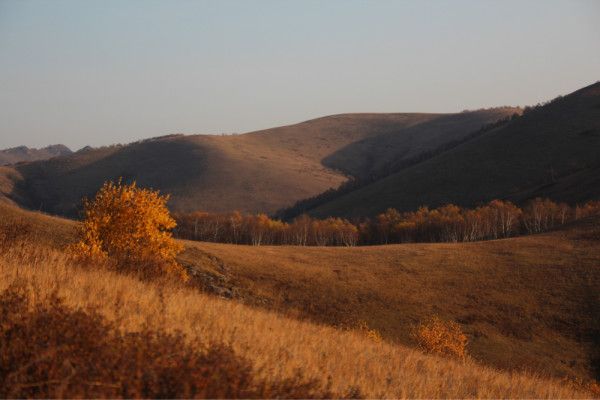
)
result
[(529, 305)]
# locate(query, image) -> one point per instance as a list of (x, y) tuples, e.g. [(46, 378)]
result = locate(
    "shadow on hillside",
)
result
[(57, 186), (389, 151)]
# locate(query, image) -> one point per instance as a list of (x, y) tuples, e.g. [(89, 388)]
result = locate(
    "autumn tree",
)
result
[(541, 215), (505, 215), (130, 227), (385, 224), (300, 229), (448, 223), (236, 222), (587, 209)]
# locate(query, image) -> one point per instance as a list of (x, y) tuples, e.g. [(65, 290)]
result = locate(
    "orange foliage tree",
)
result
[(130, 227), (587, 209)]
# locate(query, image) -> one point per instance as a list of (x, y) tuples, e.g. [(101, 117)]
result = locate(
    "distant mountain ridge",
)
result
[(23, 153)]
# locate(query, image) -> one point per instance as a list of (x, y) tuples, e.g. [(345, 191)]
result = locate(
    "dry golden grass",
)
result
[(528, 303), (277, 345), (49, 350), (43, 229)]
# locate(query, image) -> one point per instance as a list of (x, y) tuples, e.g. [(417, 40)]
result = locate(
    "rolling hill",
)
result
[(257, 172), (550, 151), (23, 153), (527, 303), (280, 348), (402, 161)]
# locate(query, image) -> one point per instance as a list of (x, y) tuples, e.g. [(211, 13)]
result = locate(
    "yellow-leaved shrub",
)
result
[(131, 228), (369, 332), (441, 337)]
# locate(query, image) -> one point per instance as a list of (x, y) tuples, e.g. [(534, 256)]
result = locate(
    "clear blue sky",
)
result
[(99, 72)]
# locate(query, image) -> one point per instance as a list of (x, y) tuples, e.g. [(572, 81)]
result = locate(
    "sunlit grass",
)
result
[(277, 345)]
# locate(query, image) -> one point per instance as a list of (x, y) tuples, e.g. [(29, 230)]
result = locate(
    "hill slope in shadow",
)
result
[(553, 151)]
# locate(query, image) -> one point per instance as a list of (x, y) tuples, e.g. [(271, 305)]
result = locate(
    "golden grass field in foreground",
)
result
[(526, 303), (277, 345)]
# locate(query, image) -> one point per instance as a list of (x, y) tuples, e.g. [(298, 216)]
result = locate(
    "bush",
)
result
[(131, 227), (48, 350), (441, 337), (372, 334)]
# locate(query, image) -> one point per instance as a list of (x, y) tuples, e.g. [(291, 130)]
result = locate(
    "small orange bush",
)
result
[(441, 337), (131, 227), (370, 333)]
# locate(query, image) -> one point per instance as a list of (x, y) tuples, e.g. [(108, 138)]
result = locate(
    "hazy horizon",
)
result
[(102, 72)]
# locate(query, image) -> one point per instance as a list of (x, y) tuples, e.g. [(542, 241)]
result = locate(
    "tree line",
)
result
[(450, 223)]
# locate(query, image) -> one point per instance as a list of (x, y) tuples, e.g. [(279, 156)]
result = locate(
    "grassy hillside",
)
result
[(345, 361), (528, 303), (373, 154), (553, 150), (255, 172), (43, 229), (9, 179)]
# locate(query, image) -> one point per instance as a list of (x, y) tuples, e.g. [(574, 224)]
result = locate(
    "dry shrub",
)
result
[(48, 350), (372, 334), (130, 227), (441, 337)]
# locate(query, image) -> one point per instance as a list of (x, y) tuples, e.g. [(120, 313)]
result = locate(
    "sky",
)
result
[(115, 71)]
